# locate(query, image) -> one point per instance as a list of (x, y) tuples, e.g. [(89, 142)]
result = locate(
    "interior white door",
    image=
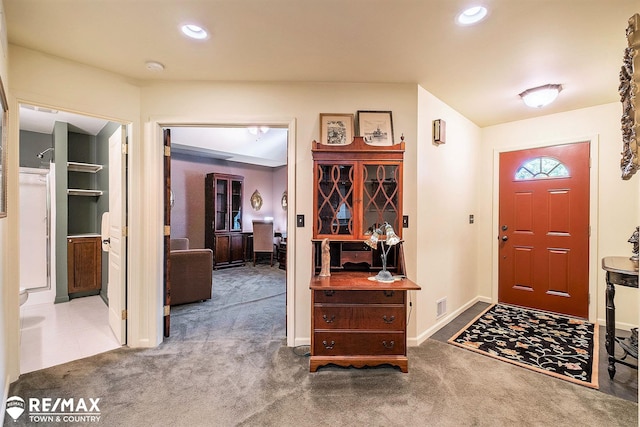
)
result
[(116, 291)]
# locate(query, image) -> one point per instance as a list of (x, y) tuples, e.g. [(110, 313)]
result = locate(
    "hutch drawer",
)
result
[(370, 317), (344, 343), (360, 296)]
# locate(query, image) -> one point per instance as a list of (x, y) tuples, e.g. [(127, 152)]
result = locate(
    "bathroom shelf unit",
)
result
[(83, 192), (83, 167)]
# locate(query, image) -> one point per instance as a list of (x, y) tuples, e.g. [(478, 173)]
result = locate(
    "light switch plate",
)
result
[(405, 221), (299, 220)]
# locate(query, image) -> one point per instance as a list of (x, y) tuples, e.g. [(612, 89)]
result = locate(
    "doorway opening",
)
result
[(71, 173), (246, 168)]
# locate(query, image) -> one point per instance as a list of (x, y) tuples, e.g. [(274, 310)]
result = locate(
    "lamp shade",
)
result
[(372, 241), (392, 237), (541, 96)]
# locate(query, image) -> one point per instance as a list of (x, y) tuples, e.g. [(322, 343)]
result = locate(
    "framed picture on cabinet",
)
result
[(3, 151), (376, 127), (336, 129)]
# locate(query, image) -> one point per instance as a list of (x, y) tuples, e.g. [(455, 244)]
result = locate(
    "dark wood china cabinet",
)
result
[(223, 219), (357, 321)]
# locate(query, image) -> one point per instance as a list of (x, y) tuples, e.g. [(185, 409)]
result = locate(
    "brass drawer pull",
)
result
[(389, 320), (388, 346), (330, 346), (329, 293), (388, 293), (329, 319)]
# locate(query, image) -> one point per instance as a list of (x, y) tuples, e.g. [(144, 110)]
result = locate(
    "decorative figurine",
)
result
[(325, 270), (634, 241)]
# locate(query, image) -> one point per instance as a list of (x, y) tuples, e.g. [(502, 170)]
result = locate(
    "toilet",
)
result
[(24, 294)]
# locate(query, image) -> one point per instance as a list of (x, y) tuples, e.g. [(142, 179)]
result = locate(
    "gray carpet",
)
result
[(226, 364)]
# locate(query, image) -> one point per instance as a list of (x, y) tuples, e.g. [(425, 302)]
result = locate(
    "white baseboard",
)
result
[(619, 325), (302, 341), (413, 342)]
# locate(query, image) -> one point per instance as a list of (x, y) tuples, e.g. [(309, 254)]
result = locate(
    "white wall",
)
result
[(617, 208), (447, 195)]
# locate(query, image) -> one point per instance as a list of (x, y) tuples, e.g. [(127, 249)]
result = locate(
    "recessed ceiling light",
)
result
[(154, 66), (194, 31), (472, 15), (540, 96)]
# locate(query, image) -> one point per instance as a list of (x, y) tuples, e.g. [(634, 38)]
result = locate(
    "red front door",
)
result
[(544, 229)]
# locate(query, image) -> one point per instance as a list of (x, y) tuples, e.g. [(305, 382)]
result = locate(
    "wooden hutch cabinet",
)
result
[(357, 321), (357, 187), (223, 219)]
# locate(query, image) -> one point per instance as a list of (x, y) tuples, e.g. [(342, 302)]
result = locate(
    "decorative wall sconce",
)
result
[(439, 131), (391, 240)]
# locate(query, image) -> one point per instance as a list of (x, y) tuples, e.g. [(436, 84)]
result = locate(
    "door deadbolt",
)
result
[(505, 228)]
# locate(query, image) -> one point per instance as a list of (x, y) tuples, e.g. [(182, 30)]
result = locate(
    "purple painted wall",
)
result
[(187, 182)]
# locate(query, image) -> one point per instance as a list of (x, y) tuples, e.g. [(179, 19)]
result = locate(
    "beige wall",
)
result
[(446, 196), (40, 79), (445, 254), (8, 295), (229, 103), (616, 210)]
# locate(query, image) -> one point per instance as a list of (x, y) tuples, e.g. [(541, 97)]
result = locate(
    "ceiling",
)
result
[(478, 70)]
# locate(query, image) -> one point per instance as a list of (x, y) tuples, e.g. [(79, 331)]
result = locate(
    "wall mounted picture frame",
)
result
[(3, 151), (256, 200), (336, 129), (376, 127)]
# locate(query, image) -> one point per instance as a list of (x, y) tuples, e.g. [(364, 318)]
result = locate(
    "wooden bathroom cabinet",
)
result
[(84, 263)]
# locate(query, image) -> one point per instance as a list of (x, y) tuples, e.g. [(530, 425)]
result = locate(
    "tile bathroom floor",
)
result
[(52, 334)]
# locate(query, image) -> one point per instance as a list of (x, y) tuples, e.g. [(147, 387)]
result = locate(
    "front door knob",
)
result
[(505, 238)]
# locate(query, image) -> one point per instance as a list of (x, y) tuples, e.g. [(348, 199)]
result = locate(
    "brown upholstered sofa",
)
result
[(191, 272)]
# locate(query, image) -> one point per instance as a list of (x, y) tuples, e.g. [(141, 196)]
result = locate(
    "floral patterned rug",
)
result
[(560, 346)]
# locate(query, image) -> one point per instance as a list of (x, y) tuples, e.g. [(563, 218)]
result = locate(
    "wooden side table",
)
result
[(623, 272)]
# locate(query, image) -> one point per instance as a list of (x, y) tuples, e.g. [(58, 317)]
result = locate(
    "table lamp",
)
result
[(391, 240)]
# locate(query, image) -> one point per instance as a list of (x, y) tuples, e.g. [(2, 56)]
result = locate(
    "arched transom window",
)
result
[(541, 168)]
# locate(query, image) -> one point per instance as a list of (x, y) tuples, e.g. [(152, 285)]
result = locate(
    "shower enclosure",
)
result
[(36, 257)]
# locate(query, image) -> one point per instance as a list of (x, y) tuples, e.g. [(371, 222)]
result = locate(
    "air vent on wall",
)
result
[(441, 307)]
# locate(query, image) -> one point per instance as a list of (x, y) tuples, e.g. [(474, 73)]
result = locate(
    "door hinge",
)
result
[(167, 151), (124, 314), (167, 230), (125, 149), (125, 231), (166, 310)]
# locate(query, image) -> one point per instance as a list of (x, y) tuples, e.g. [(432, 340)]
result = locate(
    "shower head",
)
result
[(42, 153)]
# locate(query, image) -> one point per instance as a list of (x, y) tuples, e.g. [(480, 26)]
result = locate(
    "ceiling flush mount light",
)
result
[(154, 66), (194, 31), (472, 15), (541, 96)]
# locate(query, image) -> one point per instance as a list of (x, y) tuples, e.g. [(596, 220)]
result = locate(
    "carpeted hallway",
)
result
[(226, 364)]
